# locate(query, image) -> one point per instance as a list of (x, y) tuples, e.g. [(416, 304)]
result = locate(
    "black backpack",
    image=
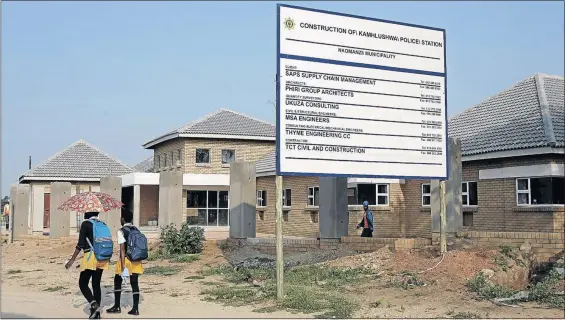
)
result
[(136, 245)]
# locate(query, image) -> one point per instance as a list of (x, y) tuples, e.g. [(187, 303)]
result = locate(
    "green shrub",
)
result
[(187, 240), (485, 290)]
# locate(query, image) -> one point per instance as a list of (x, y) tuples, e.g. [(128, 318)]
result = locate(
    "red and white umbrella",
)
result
[(91, 202)]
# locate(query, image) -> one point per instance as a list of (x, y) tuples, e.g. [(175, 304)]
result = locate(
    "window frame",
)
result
[(262, 198), (529, 193), (377, 194), (313, 197), (158, 161), (179, 156), (423, 194), (222, 156), (172, 159), (284, 191), (165, 160), (467, 194), (202, 163)]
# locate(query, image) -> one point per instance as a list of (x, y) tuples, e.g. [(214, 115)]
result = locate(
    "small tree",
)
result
[(187, 240)]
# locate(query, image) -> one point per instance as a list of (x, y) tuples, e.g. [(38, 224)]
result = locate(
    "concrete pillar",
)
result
[(334, 215), (170, 198), (38, 196), (136, 204), (243, 198), (59, 222), (113, 187), (20, 213), (453, 200)]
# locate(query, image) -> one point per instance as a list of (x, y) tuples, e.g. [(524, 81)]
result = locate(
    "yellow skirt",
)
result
[(132, 266), (89, 262)]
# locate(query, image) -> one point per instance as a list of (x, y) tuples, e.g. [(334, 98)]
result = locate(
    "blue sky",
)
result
[(119, 73)]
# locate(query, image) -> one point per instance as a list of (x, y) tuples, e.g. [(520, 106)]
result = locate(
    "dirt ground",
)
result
[(35, 284)]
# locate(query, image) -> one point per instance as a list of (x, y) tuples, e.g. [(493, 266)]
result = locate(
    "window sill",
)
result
[(262, 208), (425, 208), (539, 208), (285, 208), (358, 207), (312, 208), (225, 165), (203, 164), (469, 208)]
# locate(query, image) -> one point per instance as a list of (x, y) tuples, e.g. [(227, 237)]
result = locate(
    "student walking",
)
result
[(367, 222), (96, 242), (133, 249)]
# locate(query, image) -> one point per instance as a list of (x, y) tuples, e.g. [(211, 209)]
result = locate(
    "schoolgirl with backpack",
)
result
[(95, 240), (133, 250)]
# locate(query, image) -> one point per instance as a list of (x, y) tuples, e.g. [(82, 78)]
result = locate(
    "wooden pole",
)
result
[(279, 236), (442, 218)]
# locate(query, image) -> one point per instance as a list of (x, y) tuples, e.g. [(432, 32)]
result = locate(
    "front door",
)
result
[(46, 209)]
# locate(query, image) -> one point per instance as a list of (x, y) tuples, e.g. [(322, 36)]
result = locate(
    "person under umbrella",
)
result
[(95, 240)]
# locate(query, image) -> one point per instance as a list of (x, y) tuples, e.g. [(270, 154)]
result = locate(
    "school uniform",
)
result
[(134, 267)]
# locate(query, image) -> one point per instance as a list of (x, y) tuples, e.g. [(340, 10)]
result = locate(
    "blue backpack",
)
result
[(103, 245), (136, 249)]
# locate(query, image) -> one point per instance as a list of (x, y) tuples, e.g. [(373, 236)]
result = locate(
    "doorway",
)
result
[(46, 209)]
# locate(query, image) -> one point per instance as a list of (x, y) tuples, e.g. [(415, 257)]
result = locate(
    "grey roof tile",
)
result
[(513, 118), (146, 165), (267, 164), (225, 122), (79, 160)]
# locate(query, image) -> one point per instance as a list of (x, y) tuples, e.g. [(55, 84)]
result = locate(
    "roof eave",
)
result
[(266, 174), (155, 142), (32, 178), (512, 153)]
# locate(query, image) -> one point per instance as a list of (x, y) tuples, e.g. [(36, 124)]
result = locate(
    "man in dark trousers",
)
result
[(367, 222)]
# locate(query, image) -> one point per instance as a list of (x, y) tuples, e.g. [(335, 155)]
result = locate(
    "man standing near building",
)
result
[(367, 222), (7, 215)]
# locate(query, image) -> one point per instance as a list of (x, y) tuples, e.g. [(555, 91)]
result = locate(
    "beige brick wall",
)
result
[(149, 204), (245, 150), (497, 210), (300, 223)]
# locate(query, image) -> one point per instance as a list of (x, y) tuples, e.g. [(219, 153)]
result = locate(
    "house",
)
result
[(202, 150), (81, 164), (513, 168)]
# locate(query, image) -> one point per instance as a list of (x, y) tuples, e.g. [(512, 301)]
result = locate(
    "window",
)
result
[(375, 194), (469, 193), (287, 198), (179, 156), (426, 194), (172, 159), (261, 198), (165, 160), (158, 165), (228, 156), (202, 156), (540, 191), (313, 196), (382, 194), (212, 207)]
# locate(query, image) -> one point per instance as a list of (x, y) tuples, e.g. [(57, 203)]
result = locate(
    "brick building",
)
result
[(202, 150), (81, 164), (513, 167)]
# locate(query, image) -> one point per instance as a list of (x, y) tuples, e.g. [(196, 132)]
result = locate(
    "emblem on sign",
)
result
[(289, 23)]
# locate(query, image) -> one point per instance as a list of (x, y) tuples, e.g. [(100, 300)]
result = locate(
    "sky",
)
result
[(118, 74)]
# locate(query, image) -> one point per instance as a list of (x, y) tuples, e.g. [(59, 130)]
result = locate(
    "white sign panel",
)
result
[(359, 97)]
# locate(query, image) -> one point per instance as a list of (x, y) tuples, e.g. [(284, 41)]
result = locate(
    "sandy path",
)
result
[(19, 302)]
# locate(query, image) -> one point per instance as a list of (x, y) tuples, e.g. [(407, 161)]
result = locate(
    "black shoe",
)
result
[(134, 312), (94, 311), (114, 309)]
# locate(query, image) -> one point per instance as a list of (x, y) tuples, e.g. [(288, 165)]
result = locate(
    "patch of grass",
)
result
[(15, 271), (210, 283), (194, 278), (308, 289), (485, 290), (544, 291), (407, 280), (156, 255), (162, 271), (222, 245), (506, 250), (268, 309), (54, 289), (185, 258), (465, 315), (500, 261)]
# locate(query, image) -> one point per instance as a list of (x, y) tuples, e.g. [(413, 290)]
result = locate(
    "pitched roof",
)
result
[(224, 124), (146, 165), (529, 114), (267, 165), (80, 160)]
